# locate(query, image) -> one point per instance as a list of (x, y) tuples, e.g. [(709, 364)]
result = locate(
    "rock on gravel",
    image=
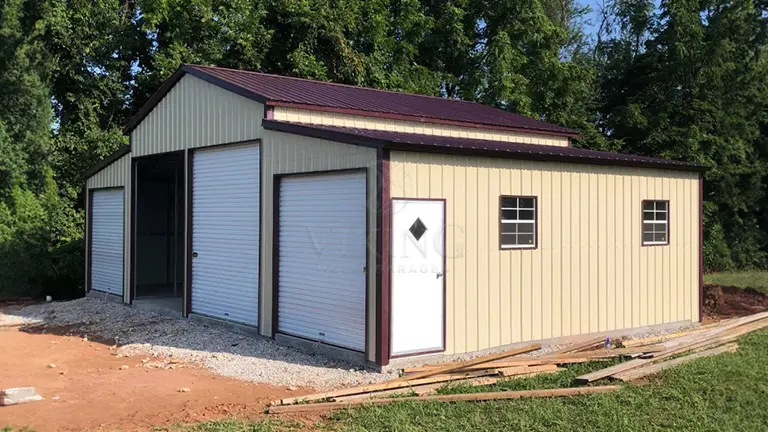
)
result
[(224, 352)]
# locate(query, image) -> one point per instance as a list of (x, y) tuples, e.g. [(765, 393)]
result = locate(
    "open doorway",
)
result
[(159, 231)]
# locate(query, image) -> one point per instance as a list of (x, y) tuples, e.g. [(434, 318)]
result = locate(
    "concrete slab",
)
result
[(18, 395)]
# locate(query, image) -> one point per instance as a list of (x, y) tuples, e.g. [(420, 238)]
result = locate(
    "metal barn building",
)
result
[(381, 225)]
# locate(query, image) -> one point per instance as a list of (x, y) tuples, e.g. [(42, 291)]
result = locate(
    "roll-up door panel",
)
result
[(322, 258), (225, 233), (107, 235)]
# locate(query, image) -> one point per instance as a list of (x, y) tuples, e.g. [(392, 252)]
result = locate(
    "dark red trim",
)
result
[(421, 353), (132, 239), (89, 246), (701, 247), (226, 85), (445, 277), (117, 154), (277, 178), (422, 119), (275, 250), (472, 147), (535, 222), (260, 295), (154, 100), (89, 227), (166, 87), (383, 247), (642, 221), (188, 206)]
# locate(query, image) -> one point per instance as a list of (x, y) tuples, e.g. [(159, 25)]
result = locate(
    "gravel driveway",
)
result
[(226, 353)]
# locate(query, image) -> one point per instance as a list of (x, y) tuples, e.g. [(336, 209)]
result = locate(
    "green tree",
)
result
[(689, 82), (36, 226)]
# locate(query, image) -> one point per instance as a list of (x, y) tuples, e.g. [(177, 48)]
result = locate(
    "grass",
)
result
[(756, 279), (725, 392), (728, 392), (232, 425)]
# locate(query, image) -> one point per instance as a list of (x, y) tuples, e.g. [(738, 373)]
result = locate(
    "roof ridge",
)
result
[(342, 85), (461, 145)]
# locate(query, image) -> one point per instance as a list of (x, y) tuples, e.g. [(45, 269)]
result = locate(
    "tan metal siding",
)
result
[(285, 153), (298, 115), (589, 273), (194, 114), (116, 174)]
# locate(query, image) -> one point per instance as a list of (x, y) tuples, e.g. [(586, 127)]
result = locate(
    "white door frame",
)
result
[(189, 173), (391, 269), (89, 252), (277, 179)]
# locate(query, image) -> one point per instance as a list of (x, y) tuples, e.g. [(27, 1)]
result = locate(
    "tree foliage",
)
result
[(689, 81), (681, 79)]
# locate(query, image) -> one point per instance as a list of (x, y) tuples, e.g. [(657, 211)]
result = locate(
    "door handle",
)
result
[(438, 275)]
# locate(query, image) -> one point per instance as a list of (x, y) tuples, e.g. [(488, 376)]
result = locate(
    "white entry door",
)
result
[(322, 258), (417, 264), (107, 230), (225, 233)]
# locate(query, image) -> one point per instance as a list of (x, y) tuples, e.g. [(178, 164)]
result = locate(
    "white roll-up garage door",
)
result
[(225, 233), (322, 258), (107, 235)]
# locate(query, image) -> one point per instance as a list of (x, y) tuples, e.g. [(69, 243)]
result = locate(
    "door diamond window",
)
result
[(417, 229)]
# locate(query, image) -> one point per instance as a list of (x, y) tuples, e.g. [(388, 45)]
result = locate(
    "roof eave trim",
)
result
[(107, 161), (155, 99), (353, 139), (423, 120), (166, 87), (346, 138)]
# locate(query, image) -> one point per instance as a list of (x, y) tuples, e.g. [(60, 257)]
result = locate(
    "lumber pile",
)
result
[(684, 346), (424, 381), (647, 356)]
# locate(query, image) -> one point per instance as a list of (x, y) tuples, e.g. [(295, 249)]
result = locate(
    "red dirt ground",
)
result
[(727, 302), (94, 393)]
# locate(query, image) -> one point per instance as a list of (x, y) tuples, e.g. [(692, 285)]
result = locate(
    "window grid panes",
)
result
[(518, 223), (655, 222)]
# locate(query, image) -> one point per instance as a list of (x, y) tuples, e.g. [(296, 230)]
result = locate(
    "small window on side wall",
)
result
[(518, 222), (655, 223)]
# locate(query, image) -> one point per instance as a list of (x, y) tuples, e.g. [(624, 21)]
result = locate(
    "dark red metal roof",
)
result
[(278, 90), (441, 144)]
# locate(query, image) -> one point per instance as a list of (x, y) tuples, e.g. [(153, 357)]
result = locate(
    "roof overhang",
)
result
[(471, 147), (117, 154), (234, 88)]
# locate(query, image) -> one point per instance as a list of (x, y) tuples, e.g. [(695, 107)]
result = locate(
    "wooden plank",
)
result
[(615, 352), (658, 367), (579, 346), (718, 339), (450, 367), (631, 343), (534, 361), (432, 388), (580, 357), (525, 370), (388, 385), (725, 327), (446, 398), (418, 390)]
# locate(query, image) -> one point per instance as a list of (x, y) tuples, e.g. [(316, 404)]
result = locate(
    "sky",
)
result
[(591, 27)]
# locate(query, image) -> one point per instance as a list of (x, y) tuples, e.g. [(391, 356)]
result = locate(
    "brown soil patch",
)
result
[(90, 390), (727, 302)]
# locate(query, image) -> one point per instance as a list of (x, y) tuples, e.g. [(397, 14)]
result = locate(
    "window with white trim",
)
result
[(518, 222), (655, 223)]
